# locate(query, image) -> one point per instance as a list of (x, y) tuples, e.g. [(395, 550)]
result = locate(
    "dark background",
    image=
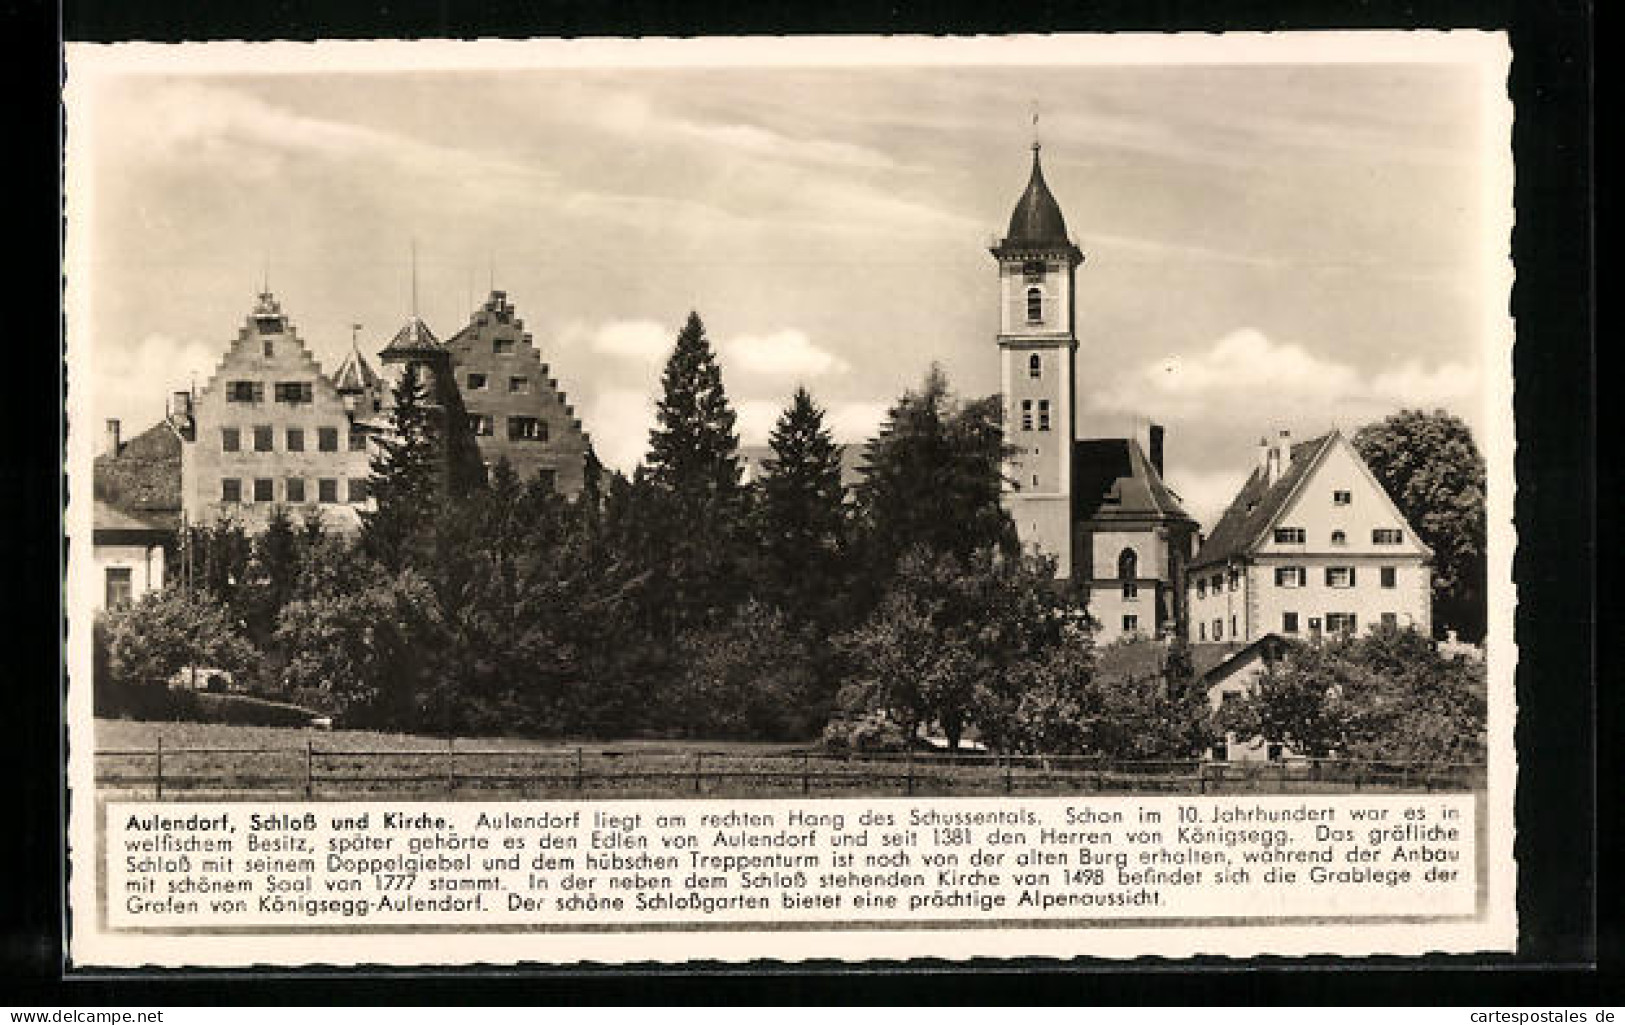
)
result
[(1562, 711)]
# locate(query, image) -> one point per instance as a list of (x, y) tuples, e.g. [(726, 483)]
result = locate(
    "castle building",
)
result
[(1312, 545), (270, 429), (1099, 506), (514, 406)]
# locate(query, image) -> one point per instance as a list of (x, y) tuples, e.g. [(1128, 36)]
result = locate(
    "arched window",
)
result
[(1128, 569), (1035, 367), (1035, 305)]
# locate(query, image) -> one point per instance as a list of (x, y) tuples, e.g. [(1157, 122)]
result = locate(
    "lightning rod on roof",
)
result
[(414, 278)]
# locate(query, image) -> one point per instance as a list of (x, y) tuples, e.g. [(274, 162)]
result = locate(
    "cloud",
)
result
[(788, 353), (644, 341), (619, 420), (131, 382), (1246, 377)]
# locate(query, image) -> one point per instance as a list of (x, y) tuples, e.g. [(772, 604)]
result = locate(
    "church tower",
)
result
[(1038, 347)]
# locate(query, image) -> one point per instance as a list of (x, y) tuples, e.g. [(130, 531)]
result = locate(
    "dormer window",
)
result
[(1035, 306), (1035, 366)]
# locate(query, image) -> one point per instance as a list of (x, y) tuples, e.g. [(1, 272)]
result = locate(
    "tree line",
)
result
[(677, 600)]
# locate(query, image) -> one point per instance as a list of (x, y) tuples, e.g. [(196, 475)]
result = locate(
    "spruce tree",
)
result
[(693, 450), (800, 514), (406, 477), (693, 499)]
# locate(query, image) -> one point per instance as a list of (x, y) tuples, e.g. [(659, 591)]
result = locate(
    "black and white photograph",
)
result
[(650, 499)]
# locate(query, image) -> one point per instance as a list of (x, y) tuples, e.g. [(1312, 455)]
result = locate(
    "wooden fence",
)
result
[(315, 772)]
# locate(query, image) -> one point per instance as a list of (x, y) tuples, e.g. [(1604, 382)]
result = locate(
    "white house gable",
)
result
[(1340, 508)]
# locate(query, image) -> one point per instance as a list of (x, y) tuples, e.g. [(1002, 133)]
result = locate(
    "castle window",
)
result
[(1201, 631), (358, 490), (1035, 366), (1035, 306), (1201, 588), (1289, 622), (1218, 629), (1131, 624), (269, 349), (262, 438), (231, 490), (1340, 622), (1234, 633), (295, 487), (293, 392), (358, 441), (476, 382), (231, 440), (525, 428), (327, 490), (245, 391), (1026, 414), (502, 346), (296, 439), (1128, 570), (518, 385), (1342, 497), (1339, 576), (1389, 576), (480, 424), (264, 490), (327, 439), (1043, 414), (1387, 536), (1339, 538), (1290, 535)]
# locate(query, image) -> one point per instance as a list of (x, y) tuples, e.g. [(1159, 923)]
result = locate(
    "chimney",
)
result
[(183, 404), (1264, 456), (112, 437), (1156, 448), (1280, 455)]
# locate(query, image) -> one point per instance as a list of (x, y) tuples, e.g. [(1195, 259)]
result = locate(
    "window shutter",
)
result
[(1352, 581)]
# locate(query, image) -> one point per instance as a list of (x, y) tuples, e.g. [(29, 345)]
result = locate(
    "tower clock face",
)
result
[(1033, 270)]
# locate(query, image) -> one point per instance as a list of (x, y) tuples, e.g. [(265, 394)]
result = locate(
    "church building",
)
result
[(1099, 506)]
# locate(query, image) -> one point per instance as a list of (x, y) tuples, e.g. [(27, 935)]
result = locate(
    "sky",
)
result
[(1268, 246)]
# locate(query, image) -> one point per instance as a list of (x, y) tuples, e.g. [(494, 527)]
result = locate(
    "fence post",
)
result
[(698, 757), (310, 780), (909, 758), (806, 769), (158, 772), (451, 765), (579, 780), (1009, 778)]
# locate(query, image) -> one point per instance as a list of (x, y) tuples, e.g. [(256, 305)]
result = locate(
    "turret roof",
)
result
[(355, 374), (413, 339), (1037, 218)]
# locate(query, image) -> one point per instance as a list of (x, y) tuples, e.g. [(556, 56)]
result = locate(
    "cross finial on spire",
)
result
[(265, 275), (1037, 145)]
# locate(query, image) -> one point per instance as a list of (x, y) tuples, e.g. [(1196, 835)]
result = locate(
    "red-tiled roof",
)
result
[(1257, 505), (144, 479), (1113, 479)]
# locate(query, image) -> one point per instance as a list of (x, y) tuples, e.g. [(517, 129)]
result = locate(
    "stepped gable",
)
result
[(1257, 505), (1113, 479), (268, 311), (494, 344)]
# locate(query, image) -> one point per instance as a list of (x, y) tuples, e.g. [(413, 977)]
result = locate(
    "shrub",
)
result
[(864, 733)]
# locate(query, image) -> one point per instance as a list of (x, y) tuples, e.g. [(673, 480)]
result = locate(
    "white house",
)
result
[(1312, 545)]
